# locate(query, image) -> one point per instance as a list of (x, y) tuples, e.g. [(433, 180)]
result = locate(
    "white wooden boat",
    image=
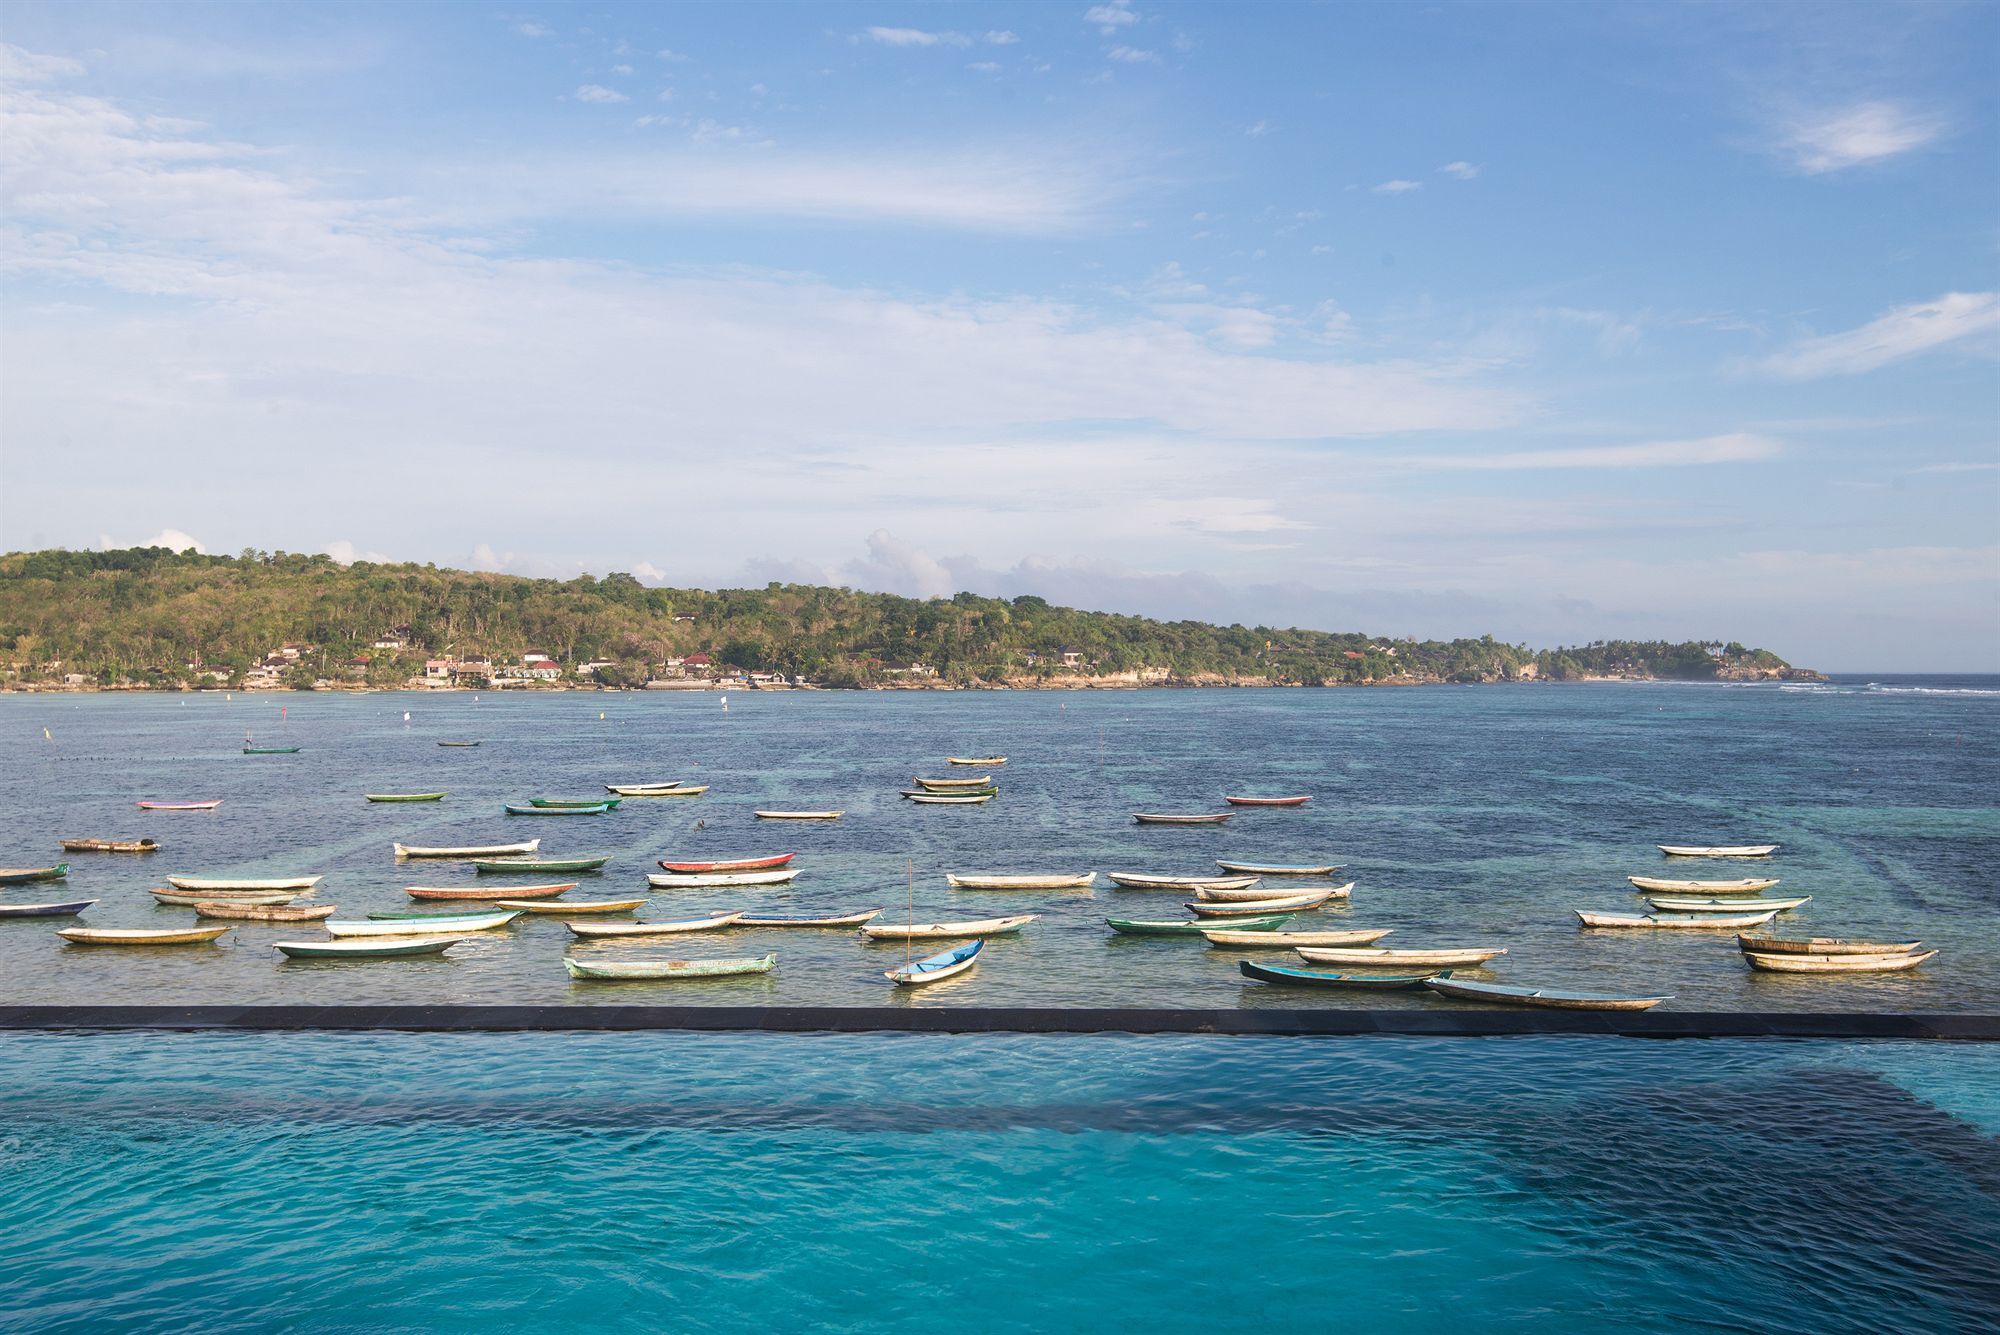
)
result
[(950, 799), (1278, 869), (1443, 957), (1263, 892), (1133, 880), (239, 912), (798, 815), (965, 760), (468, 850), (567, 907), (1835, 963), (659, 970), (854, 919), (1748, 885), (1825, 945), (1228, 936), (1540, 996), (944, 931), (936, 968), (248, 898), (641, 789), (1055, 881), (668, 880), (947, 785), (140, 936), (606, 930), (428, 925), (1675, 920), (233, 883), (1253, 908), (1717, 850), (1168, 818), (487, 895), (1680, 904)]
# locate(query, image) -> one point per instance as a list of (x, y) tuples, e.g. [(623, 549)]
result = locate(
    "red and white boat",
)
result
[(181, 806), (1269, 801), (730, 864)]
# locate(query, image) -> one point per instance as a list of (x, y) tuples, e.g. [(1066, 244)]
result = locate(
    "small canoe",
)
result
[(949, 785), (854, 919), (1676, 904), (667, 927), (110, 846), (1133, 880), (1717, 850), (682, 880), (1162, 818), (596, 809), (644, 970), (914, 793), (570, 906), (1382, 956), (798, 815), (140, 936), (1268, 801), (28, 875), (467, 850), (1824, 945), (1835, 963), (1695, 921), (270, 750), (368, 948), (240, 912), (1236, 936), (1540, 996), (67, 909), (1190, 927), (481, 893), (965, 760), (254, 886), (936, 968), (1254, 908), (1749, 885), (403, 797), (179, 806), (464, 922), (458, 743), (641, 789), (950, 799), (1386, 982), (729, 864), (515, 866), (944, 931), (1273, 869), (1056, 881), (250, 898), (1265, 892), (573, 802)]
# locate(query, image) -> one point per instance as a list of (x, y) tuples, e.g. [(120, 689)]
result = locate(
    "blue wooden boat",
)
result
[(574, 802), (596, 810), (938, 967), (24, 875), (63, 910), (1275, 973)]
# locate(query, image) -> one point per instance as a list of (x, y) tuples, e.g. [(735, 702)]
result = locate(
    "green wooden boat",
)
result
[(574, 801), (367, 948), (1176, 927), (270, 750), (404, 797), (25, 875), (508, 865), (594, 809)]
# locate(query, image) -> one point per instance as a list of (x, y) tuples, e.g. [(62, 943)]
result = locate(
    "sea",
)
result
[(325, 1181)]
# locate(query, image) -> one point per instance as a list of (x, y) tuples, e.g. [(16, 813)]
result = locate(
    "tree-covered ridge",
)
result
[(148, 615)]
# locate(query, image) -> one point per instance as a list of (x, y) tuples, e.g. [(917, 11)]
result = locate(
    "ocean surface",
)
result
[(1465, 816)]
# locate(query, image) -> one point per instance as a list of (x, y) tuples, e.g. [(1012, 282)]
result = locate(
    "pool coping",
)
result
[(1459, 1022)]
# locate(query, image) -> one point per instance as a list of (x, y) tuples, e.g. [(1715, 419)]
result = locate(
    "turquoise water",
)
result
[(1479, 815), (648, 1182)]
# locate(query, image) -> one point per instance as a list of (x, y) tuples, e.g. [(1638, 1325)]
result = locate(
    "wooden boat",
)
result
[(963, 760), (568, 907), (597, 809), (947, 785), (368, 949), (1748, 885), (403, 797), (1382, 956), (467, 851), (1254, 908), (270, 750), (1676, 904), (1695, 921), (682, 880), (1717, 850), (1161, 818), (683, 790), (936, 968), (797, 815), (419, 925), (1133, 880), (1835, 963), (66, 909), (1298, 801), (110, 846), (1824, 945), (1386, 982), (140, 936), (574, 802), (458, 743), (1237, 935), (28, 875), (515, 866), (239, 912), (1191, 926), (252, 898), (642, 789), (728, 864), (1271, 869), (951, 799), (1262, 892), (1056, 881), (481, 893), (666, 927), (254, 886), (944, 931), (179, 806), (645, 970), (914, 793), (854, 919), (1540, 996)]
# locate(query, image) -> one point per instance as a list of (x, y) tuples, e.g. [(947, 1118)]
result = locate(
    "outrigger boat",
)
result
[(594, 809), (1264, 892), (467, 851), (944, 931), (1274, 869), (685, 880), (854, 919), (963, 760), (950, 799), (1161, 818), (1298, 801), (936, 968), (253, 886), (570, 906), (649, 970), (1696, 921), (728, 864), (1717, 850), (435, 922), (949, 785), (66, 909), (988, 791), (1058, 881), (1275, 973), (488, 896), (1540, 996), (110, 846), (1673, 904), (1236, 935), (798, 815), (403, 797), (1748, 885), (179, 806), (29, 875), (1133, 880), (666, 927), (642, 789), (1383, 956), (1190, 927), (1255, 908), (567, 803), (514, 866)]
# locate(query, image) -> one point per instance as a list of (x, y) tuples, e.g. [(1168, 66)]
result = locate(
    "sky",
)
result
[(1551, 322)]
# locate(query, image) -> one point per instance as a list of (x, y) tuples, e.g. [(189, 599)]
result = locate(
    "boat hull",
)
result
[(1240, 938), (247, 898), (512, 867), (66, 909), (1265, 892), (212, 883), (1268, 801), (366, 949), (1131, 880), (688, 880), (1161, 818), (1257, 908), (572, 907), (1387, 958), (403, 797), (1271, 869), (597, 810), (630, 971), (1748, 885), (130, 936), (1272, 973), (179, 806), (855, 919), (938, 967), (727, 864), (1717, 850), (595, 931), (264, 912), (467, 852), (1058, 882), (30, 875), (1673, 904), (1825, 945), (488, 895), (429, 925), (1194, 927), (1836, 963), (110, 846), (1541, 997), (1674, 921), (946, 931)]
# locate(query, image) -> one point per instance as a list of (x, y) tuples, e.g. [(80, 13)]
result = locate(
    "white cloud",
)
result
[(1398, 187), (19, 66), (1111, 17), (1001, 37), (529, 28), (1893, 336), (1130, 55), (669, 55), (915, 37), (1829, 141), (1259, 130), (1464, 171), (592, 92), (171, 538), (985, 66), (1736, 448), (621, 69), (346, 553)]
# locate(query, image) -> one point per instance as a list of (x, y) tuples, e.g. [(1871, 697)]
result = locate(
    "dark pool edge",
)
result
[(1466, 1022)]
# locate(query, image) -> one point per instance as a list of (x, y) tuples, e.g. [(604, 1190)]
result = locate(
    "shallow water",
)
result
[(1478, 815)]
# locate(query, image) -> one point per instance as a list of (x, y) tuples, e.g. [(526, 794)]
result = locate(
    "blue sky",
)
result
[(1555, 322)]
